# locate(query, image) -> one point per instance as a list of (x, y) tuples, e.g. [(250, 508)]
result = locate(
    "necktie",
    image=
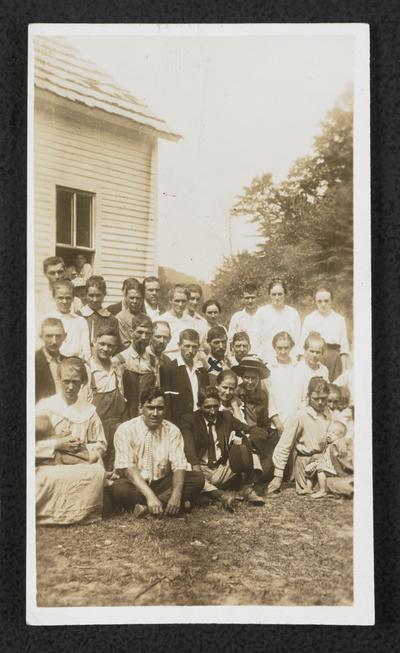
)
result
[(211, 448), (147, 472)]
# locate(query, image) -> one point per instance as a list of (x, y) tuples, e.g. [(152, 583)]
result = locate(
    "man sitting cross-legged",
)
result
[(208, 434), (151, 463)]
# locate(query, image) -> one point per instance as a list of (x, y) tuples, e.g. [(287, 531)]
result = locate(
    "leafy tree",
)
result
[(306, 222)]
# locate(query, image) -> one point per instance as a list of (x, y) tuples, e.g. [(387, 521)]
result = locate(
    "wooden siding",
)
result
[(118, 165)]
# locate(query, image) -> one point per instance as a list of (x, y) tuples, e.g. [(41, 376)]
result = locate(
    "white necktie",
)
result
[(148, 458)]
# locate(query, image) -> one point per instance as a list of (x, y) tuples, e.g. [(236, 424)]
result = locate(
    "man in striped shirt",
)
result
[(155, 476)]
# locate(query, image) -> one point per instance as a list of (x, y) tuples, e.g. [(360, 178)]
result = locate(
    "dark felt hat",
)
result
[(252, 362)]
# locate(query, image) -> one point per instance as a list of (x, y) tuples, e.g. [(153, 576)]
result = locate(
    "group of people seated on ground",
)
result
[(154, 411)]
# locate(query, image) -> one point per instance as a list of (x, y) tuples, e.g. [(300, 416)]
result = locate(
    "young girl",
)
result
[(322, 465)]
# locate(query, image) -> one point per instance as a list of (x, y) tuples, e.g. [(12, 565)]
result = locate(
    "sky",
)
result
[(244, 105)]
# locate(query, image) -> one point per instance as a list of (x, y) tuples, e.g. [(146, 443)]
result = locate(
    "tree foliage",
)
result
[(305, 222)]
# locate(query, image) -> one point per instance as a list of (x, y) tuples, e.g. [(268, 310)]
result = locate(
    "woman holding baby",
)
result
[(321, 452), (70, 444)]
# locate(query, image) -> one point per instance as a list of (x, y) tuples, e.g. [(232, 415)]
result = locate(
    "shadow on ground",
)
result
[(293, 551)]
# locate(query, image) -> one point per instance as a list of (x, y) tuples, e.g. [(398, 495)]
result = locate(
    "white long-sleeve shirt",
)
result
[(272, 322), (250, 323), (331, 327), (283, 385), (77, 342)]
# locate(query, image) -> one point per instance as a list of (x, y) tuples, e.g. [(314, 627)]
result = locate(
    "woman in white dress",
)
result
[(283, 381), (332, 327), (70, 474), (275, 317)]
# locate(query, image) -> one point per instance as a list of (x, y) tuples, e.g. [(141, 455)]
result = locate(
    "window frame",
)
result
[(74, 245)]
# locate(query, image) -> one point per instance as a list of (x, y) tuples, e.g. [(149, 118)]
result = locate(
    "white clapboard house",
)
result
[(95, 164)]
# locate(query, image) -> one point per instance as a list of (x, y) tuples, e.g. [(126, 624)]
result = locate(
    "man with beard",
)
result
[(138, 372)]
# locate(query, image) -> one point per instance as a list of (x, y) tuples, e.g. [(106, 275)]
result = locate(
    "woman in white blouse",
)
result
[(70, 474), (275, 317), (283, 382), (332, 327)]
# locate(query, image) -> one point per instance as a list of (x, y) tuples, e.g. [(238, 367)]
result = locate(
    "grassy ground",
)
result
[(292, 551)]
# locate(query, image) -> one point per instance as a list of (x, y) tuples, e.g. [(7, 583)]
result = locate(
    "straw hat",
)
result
[(252, 362)]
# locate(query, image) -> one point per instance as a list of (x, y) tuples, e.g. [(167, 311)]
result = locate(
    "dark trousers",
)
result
[(263, 443), (124, 494)]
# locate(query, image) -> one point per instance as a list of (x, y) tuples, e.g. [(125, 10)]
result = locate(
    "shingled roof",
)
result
[(60, 69)]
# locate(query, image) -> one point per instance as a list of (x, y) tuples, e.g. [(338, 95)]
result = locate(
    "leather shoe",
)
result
[(252, 497), (227, 502)]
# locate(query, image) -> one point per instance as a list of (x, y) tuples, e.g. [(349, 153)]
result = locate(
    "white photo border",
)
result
[(362, 610)]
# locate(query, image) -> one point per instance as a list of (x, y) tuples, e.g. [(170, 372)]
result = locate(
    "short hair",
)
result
[(216, 332), (317, 384), (126, 281), (141, 320), (282, 335), (188, 334), (161, 323), (194, 287), (177, 287), (52, 260), (323, 289), (62, 283), (276, 282), (342, 424), (210, 392), (335, 388), (250, 287), (240, 335), (149, 394), (225, 374), (77, 364), (96, 281), (149, 280), (107, 331), (313, 335), (132, 284), (211, 302), (51, 322)]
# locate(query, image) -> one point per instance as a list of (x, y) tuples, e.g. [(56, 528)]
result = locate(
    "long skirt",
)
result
[(69, 494)]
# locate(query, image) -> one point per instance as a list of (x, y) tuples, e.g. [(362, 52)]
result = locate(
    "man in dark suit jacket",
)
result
[(48, 357), (186, 377), (207, 434)]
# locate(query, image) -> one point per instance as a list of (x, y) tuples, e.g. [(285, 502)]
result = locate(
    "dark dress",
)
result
[(263, 438)]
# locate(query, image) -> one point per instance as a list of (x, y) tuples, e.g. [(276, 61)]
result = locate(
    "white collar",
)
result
[(87, 311), (181, 363), (79, 412)]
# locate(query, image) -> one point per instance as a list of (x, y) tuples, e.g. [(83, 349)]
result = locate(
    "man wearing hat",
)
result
[(208, 434), (258, 412)]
